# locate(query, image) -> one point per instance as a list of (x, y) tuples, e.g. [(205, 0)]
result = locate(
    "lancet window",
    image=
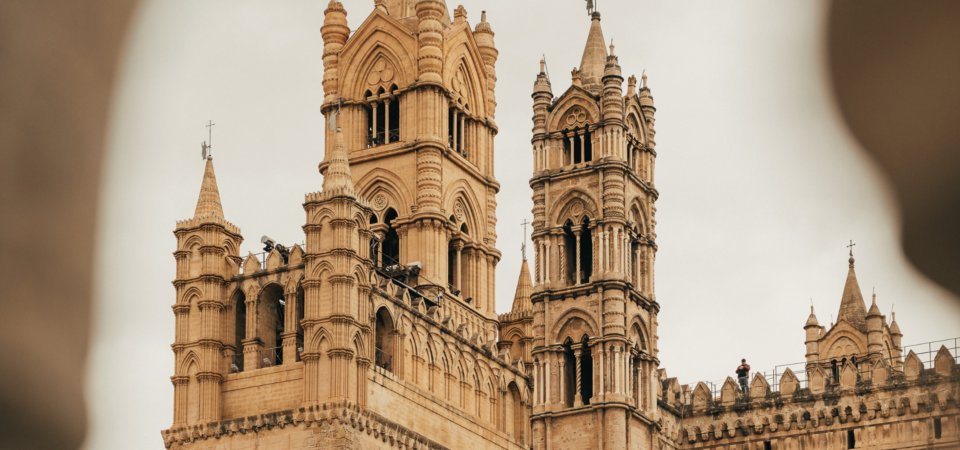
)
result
[(383, 117), (458, 130), (390, 249), (384, 341), (271, 325), (239, 304)]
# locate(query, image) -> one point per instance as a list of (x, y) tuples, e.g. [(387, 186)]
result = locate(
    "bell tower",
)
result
[(414, 94), (595, 312)]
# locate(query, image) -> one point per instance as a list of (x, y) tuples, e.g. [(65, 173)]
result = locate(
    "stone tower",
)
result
[(206, 249), (595, 313), (380, 332)]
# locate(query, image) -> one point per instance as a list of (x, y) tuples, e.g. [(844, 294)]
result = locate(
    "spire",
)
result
[(337, 178), (209, 202), (812, 320), (852, 307), (874, 311), (594, 57), (521, 301), (894, 328)]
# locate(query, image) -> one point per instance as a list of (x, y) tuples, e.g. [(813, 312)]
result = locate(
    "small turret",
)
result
[(209, 202), (430, 59), (612, 88), (631, 86), (521, 300), (542, 97), (337, 179), (459, 15), (335, 32), (812, 328), (381, 5), (483, 34), (649, 110), (874, 328), (852, 308)]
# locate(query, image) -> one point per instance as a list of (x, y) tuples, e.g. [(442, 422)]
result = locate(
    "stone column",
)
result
[(578, 397), (572, 149), (563, 262), (576, 274), (373, 128), (548, 368), (386, 121), (536, 385), (599, 358), (453, 133), (546, 268), (563, 381), (457, 277), (463, 126), (602, 250), (616, 370)]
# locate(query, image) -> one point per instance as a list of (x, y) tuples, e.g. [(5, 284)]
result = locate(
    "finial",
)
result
[(483, 17), (874, 295), (611, 47), (644, 77), (851, 252), (575, 74), (523, 249), (208, 148), (543, 65)]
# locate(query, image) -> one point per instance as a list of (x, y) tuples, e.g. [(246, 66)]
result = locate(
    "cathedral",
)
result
[(381, 330)]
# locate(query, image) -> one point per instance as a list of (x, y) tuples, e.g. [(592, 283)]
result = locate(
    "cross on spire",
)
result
[(207, 153), (851, 247), (523, 249)]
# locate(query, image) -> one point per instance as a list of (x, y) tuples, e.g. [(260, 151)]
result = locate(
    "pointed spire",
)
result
[(852, 307), (521, 301), (209, 202), (874, 310), (894, 328), (337, 179), (594, 57)]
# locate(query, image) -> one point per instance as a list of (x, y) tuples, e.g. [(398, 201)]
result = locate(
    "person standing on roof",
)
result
[(743, 374)]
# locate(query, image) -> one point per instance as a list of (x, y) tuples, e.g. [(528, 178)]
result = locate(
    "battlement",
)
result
[(329, 194), (515, 316), (207, 219), (860, 401)]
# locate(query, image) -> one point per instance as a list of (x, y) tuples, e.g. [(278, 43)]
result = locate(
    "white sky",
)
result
[(761, 186)]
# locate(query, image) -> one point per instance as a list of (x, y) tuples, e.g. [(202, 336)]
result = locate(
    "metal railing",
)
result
[(383, 360), (270, 357), (379, 138), (236, 362), (865, 363), (262, 256)]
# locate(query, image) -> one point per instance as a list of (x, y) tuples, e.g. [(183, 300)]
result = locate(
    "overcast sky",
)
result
[(761, 186)]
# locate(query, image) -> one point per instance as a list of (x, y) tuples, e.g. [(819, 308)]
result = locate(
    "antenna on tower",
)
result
[(546, 67), (208, 148)]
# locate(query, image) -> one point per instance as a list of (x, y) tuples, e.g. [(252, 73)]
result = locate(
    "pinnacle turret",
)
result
[(852, 307), (521, 300), (594, 58), (337, 178), (209, 201)]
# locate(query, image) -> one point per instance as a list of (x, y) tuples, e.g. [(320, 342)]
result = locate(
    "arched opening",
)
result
[(383, 117), (463, 229), (239, 303), (586, 251), (301, 298), (834, 372), (586, 368), (193, 394), (393, 118), (577, 147), (270, 331), (516, 420), (383, 340), (587, 146), (391, 242)]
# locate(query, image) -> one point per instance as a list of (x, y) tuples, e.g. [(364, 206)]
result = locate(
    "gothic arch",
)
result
[(193, 291), (321, 268), (372, 41), (190, 358), (563, 208), (383, 180), (463, 81), (638, 125), (321, 215), (637, 325), (461, 193), (566, 317), (229, 246), (191, 241), (640, 208), (574, 97), (319, 335)]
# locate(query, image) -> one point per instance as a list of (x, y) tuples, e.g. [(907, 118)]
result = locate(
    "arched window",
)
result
[(239, 329), (383, 340), (301, 298), (577, 146), (271, 326), (390, 249), (569, 254), (383, 117), (586, 250), (586, 368)]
